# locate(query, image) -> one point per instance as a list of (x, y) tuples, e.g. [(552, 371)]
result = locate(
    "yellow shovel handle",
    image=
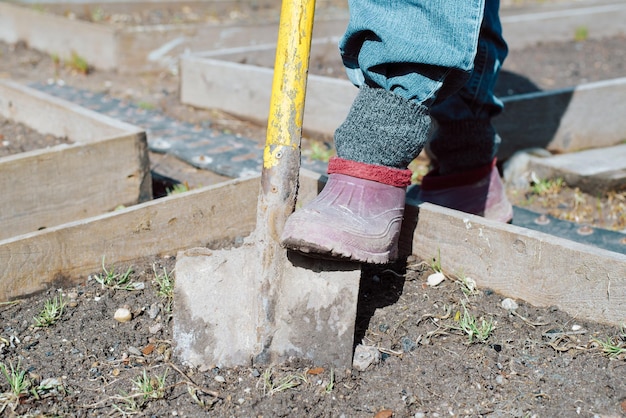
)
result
[(284, 128)]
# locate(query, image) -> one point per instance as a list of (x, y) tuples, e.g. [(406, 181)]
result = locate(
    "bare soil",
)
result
[(16, 138), (534, 362)]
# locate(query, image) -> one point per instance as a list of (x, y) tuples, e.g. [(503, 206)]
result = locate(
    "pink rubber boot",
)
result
[(479, 192), (357, 216)]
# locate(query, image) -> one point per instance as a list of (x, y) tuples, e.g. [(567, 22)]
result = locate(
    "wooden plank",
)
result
[(593, 171), (543, 270), (106, 166), (59, 35), (63, 254), (44, 188), (586, 116), (558, 22), (50, 115), (244, 90)]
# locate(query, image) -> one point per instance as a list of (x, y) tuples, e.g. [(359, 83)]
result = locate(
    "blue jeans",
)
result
[(442, 54)]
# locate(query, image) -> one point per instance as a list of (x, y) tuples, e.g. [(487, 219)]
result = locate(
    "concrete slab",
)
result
[(593, 171), (227, 315)]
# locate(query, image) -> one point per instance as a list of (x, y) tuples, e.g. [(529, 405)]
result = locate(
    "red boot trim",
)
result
[(433, 181), (379, 173)]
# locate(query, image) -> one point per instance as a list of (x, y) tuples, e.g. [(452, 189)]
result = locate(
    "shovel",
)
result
[(259, 303)]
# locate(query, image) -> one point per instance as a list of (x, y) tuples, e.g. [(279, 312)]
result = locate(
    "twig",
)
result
[(213, 393), (529, 322)]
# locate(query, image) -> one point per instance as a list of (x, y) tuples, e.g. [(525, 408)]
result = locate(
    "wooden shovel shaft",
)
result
[(281, 156)]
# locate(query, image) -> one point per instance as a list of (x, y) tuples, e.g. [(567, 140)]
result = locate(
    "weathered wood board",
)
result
[(584, 281), (63, 254), (105, 166), (593, 171), (582, 117), (543, 270), (134, 49), (578, 118)]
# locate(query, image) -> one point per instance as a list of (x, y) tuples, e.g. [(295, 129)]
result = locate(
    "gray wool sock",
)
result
[(464, 145), (382, 128)]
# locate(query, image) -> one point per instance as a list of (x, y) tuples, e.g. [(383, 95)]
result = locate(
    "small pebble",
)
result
[(220, 379), (576, 327), (134, 351), (407, 344), (509, 304), (435, 279), (123, 315), (155, 328), (153, 311), (364, 356)]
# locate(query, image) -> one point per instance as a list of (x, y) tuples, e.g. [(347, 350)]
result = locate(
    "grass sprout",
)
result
[(272, 385), (467, 284), (51, 313), (18, 384), (331, 384), (178, 188), (435, 263), (581, 33), (112, 280), (611, 346), (151, 387), (477, 333), (544, 187), (77, 63), (321, 151), (165, 285)]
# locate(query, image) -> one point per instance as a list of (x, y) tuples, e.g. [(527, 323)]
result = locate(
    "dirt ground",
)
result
[(443, 350)]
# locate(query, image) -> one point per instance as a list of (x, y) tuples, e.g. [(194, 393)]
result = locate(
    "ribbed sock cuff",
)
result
[(382, 128), (386, 175)]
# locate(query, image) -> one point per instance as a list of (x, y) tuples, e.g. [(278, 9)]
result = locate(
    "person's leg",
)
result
[(403, 56), (465, 143)]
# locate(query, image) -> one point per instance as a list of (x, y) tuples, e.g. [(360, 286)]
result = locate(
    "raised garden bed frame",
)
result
[(105, 166)]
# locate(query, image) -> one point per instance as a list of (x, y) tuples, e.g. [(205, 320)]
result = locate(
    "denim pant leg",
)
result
[(405, 56), (465, 138)]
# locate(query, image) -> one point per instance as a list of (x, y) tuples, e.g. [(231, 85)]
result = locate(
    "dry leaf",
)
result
[(385, 413), (148, 349), (315, 371)]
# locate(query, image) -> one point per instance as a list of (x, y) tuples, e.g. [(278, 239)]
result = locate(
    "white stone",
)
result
[(364, 356), (123, 315), (435, 279), (509, 304)]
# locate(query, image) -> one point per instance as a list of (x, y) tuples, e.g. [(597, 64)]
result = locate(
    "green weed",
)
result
[(581, 33), (18, 385), (178, 188), (112, 280), (320, 151), (272, 386), (165, 285), (77, 63), (151, 387), (476, 332), (611, 346), (543, 187), (51, 313)]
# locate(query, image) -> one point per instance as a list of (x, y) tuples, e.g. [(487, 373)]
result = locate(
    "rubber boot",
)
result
[(479, 192), (357, 216)]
